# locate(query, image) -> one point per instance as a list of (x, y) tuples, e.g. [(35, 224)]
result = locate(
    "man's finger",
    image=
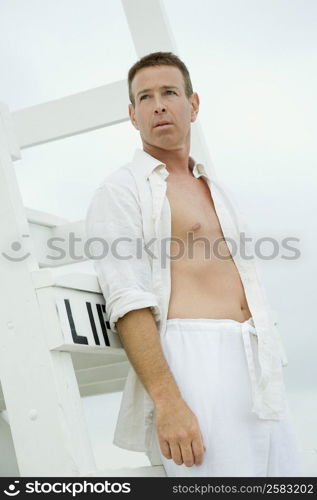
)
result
[(176, 453), (165, 449), (198, 450), (187, 454)]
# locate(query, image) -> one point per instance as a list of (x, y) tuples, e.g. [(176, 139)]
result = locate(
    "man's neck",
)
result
[(177, 161)]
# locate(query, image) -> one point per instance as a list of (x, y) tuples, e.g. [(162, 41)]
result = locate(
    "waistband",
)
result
[(210, 321)]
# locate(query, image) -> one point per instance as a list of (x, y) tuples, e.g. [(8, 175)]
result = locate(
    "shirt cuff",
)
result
[(129, 301)]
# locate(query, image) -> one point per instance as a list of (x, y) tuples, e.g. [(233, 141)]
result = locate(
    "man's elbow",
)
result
[(133, 319)]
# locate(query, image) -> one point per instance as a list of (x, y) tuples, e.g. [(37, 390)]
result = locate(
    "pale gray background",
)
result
[(253, 64)]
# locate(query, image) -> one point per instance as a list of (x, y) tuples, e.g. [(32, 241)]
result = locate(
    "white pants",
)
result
[(208, 360)]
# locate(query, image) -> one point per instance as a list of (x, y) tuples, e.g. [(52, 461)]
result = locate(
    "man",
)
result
[(205, 393)]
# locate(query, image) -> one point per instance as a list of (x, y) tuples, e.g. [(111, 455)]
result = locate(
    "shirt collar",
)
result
[(145, 164)]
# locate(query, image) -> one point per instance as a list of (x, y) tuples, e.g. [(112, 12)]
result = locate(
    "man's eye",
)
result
[(145, 95), (170, 91)]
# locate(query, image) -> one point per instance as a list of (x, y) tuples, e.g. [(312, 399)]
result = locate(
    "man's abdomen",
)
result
[(203, 288)]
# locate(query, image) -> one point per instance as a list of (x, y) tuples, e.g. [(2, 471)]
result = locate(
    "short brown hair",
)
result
[(160, 59)]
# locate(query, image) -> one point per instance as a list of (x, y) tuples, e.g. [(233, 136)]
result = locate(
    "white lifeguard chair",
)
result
[(55, 343)]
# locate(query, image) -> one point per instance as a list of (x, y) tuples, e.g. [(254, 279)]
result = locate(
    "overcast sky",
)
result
[(253, 64)]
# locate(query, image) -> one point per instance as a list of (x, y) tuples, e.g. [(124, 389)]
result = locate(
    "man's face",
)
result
[(159, 95)]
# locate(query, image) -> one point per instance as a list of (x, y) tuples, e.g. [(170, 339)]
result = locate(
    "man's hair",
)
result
[(160, 59)]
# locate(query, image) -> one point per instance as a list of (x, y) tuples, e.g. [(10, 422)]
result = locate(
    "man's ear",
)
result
[(194, 100), (132, 116)]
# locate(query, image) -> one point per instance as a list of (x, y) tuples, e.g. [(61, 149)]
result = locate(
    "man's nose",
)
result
[(159, 107)]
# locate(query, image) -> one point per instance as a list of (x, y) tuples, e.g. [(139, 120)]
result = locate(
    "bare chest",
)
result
[(192, 208)]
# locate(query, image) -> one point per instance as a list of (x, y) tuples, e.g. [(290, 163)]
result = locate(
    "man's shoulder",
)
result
[(121, 176), (124, 187), (115, 192)]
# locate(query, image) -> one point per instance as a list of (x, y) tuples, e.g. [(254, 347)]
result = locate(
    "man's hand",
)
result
[(179, 433)]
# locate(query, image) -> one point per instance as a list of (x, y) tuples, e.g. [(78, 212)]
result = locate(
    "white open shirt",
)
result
[(131, 204)]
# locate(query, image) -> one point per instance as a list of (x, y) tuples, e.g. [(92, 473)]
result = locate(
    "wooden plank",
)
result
[(8, 131), (102, 387), (150, 32), (43, 218), (79, 281), (70, 238), (103, 373), (95, 108), (82, 361), (41, 391), (76, 321), (58, 245)]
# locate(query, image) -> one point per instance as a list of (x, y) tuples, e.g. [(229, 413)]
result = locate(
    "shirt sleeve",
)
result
[(116, 245)]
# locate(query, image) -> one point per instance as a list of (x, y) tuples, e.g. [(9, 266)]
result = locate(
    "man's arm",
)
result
[(177, 426), (114, 216)]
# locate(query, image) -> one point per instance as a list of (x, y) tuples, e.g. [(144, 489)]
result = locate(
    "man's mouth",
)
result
[(162, 125)]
